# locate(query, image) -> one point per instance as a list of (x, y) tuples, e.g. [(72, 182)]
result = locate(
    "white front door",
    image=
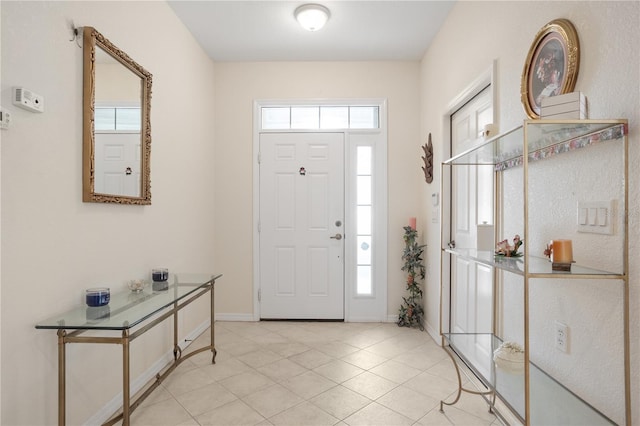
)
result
[(301, 225), (117, 164), (471, 281)]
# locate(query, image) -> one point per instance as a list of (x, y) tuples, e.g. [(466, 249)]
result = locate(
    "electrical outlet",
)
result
[(562, 337)]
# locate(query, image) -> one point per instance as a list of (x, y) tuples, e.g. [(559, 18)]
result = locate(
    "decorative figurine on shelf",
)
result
[(509, 356), (504, 249), (411, 311)]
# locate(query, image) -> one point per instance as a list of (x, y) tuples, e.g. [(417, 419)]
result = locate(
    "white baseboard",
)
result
[(235, 317), (250, 318), (141, 381), (116, 403), (194, 334), (435, 334)]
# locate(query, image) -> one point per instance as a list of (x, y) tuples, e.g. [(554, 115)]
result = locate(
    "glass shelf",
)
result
[(537, 265), (127, 309), (475, 298), (548, 398), (546, 138)]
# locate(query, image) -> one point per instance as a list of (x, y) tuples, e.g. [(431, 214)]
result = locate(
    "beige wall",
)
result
[(53, 245), (238, 85), (118, 84), (475, 34)]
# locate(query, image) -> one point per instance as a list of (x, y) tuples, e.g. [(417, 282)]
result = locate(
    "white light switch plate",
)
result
[(595, 217)]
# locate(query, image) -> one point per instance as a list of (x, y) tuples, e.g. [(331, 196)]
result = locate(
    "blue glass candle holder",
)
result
[(98, 296), (159, 275)]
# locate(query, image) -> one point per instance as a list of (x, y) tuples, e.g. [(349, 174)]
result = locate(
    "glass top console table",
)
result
[(132, 314)]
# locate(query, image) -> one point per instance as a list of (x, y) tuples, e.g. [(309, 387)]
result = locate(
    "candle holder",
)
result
[(563, 267), (159, 275), (560, 254)]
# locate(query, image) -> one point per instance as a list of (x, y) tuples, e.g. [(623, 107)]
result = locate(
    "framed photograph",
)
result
[(552, 65)]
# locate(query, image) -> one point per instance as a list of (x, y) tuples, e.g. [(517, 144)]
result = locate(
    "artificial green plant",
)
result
[(411, 312)]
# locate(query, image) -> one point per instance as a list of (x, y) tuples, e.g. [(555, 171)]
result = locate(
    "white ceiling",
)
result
[(357, 30)]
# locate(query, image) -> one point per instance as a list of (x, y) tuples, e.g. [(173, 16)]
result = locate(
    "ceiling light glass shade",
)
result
[(312, 17)]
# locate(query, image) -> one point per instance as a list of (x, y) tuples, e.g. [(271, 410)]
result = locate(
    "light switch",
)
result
[(592, 216), (602, 216), (582, 216), (596, 217)]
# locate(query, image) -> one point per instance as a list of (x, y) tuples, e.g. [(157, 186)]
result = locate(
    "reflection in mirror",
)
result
[(117, 131)]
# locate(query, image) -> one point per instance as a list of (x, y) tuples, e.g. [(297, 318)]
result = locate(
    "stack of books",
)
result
[(571, 106)]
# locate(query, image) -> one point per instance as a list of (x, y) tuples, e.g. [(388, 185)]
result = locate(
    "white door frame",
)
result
[(353, 305), (486, 78)]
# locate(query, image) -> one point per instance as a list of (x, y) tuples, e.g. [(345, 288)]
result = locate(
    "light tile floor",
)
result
[(313, 373)]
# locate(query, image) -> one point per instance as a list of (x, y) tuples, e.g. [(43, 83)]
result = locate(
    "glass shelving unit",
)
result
[(567, 407), (537, 394)]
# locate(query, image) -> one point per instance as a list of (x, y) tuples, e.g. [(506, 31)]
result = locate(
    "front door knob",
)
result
[(337, 237)]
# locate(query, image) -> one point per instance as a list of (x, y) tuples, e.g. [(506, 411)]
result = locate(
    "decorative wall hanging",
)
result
[(552, 65), (428, 160)]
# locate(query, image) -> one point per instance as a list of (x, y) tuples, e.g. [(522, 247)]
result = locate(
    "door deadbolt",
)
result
[(337, 237)]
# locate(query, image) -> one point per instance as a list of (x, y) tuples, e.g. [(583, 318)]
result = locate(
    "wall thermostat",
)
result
[(28, 100), (5, 119)]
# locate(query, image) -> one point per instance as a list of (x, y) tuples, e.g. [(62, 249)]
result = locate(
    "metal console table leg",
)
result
[(126, 414), (463, 389), (61, 377)]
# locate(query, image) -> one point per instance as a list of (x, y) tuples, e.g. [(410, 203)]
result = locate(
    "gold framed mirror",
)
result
[(116, 124)]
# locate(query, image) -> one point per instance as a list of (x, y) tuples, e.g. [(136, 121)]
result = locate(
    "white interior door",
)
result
[(117, 164), (301, 226), (472, 186)]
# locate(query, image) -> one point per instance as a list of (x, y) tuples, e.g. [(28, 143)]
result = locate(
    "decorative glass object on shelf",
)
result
[(137, 286), (503, 248)]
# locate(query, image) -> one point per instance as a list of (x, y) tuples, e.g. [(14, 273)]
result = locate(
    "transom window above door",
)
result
[(320, 117), (118, 119)]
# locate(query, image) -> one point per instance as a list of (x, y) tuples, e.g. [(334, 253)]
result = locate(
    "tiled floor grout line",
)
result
[(375, 341)]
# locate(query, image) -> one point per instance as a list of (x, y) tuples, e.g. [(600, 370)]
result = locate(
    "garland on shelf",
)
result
[(411, 312), (558, 143)]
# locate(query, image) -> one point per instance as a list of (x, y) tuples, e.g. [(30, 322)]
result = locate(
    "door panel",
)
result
[(317, 273), (285, 270), (471, 285), (461, 295), (301, 200)]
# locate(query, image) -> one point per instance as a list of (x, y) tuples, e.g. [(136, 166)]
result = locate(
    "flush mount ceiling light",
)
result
[(312, 17)]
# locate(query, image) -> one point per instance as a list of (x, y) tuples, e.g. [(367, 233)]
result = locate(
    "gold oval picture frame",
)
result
[(552, 65)]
